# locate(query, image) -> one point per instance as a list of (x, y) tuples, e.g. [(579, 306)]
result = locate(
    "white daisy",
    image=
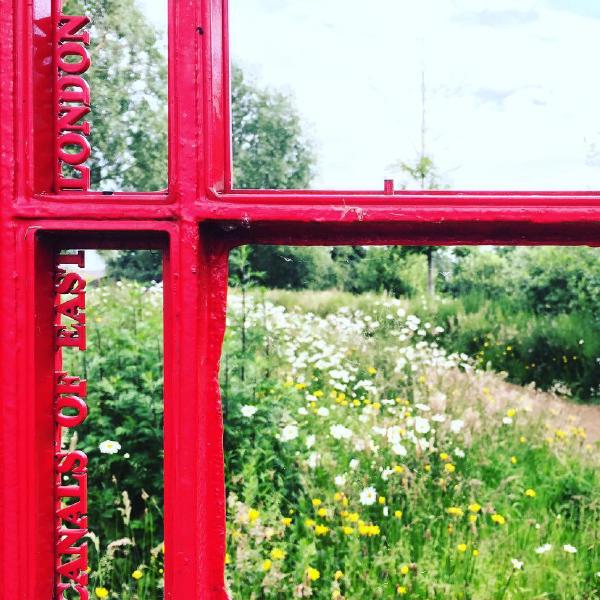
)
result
[(109, 447), (368, 496)]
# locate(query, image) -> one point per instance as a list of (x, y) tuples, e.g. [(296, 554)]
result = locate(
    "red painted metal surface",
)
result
[(194, 222)]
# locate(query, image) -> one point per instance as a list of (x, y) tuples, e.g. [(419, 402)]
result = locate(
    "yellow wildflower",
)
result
[(381, 500), (402, 591), (474, 507), (253, 514), (355, 402), (530, 493), (312, 574), (227, 558), (371, 370), (338, 496), (318, 394), (444, 455), (368, 530), (347, 530), (499, 519), (277, 554), (399, 469), (511, 412), (513, 460), (338, 575), (398, 514), (522, 439), (309, 523), (353, 517), (101, 592), (321, 529), (137, 574), (427, 468), (455, 511), (322, 512), (404, 570), (476, 553), (461, 547), (267, 564), (449, 467), (286, 521), (472, 518)]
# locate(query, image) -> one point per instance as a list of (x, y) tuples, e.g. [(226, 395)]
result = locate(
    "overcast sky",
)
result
[(512, 86)]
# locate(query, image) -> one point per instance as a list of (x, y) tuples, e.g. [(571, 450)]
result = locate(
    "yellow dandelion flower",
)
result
[(321, 529), (514, 460), (522, 439), (511, 412), (312, 574), (461, 547), (427, 468), (474, 507), (404, 570), (286, 521), (444, 455), (455, 511), (318, 394), (499, 519), (137, 574), (338, 575), (355, 402), (399, 469), (322, 512), (338, 496), (475, 553), (227, 558), (472, 518), (253, 514), (371, 370), (449, 468), (353, 517), (401, 590), (530, 493), (309, 523), (101, 592), (381, 499), (398, 514), (347, 530), (277, 554), (267, 564)]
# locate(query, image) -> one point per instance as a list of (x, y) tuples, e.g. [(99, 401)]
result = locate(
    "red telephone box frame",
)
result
[(195, 223)]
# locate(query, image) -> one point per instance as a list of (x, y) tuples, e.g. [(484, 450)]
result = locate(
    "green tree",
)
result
[(270, 150), (128, 79)]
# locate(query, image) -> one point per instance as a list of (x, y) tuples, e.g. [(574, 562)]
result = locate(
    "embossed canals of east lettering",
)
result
[(72, 98), (70, 410)]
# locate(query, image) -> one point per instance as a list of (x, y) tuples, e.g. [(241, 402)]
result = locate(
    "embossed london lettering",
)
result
[(72, 103)]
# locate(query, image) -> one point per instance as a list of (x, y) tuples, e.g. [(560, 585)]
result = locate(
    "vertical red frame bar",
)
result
[(195, 277), (27, 423)]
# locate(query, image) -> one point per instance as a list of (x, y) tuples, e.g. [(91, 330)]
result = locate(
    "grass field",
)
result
[(362, 459)]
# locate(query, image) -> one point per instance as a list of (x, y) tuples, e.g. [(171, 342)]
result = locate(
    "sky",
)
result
[(512, 95)]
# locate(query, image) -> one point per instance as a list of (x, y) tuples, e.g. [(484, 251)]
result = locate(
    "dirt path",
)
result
[(559, 412)]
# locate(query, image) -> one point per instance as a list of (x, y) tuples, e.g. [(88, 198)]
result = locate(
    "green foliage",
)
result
[(270, 150), (124, 367), (128, 79), (134, 265)]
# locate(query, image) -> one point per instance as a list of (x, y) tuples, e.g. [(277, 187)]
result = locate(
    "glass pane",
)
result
[(497, 95), (418, 422), (123, 434), (128, 81)]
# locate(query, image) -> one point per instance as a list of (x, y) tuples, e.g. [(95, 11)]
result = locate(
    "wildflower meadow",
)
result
[(364, 459)]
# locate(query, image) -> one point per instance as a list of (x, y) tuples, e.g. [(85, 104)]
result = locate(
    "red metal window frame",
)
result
[(195, 223)]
